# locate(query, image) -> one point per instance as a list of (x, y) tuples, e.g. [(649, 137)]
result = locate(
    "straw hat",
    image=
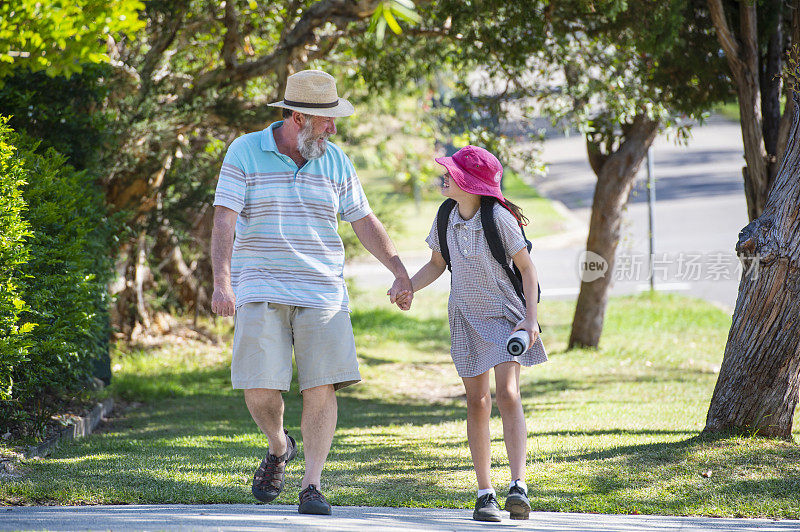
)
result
[(313, 92)]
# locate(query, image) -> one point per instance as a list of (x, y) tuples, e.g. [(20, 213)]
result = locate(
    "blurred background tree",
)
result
[(59, 37), (617, 72), (199, 75), (756, 37), (142, 99)]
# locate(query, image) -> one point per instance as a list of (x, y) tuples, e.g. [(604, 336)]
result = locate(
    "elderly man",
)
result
[(280, 191)]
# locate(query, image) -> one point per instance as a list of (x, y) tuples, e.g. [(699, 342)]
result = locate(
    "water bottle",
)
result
[(518, 343)]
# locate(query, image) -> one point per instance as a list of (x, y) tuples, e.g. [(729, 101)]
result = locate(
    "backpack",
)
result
[(492, 238)]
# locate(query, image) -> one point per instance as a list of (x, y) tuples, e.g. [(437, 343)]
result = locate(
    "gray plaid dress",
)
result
[(483, 306)]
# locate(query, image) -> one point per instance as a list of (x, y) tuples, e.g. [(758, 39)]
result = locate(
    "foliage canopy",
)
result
[(61, 36)]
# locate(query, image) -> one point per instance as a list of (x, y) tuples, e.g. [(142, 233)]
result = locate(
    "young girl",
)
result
[(484, 310)]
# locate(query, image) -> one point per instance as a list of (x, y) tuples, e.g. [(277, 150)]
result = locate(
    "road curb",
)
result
[(80, 428)]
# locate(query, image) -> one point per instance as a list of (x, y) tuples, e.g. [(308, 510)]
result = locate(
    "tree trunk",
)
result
[(742, 54), (786, 118), (142, 274), (129, 313), (748, 87), (183, 278), (770, 81), (614, 182), (757, 387)]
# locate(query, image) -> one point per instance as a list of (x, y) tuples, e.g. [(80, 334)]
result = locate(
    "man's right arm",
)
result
[(223, 301)]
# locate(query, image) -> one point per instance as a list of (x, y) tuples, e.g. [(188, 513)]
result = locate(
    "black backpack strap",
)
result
[(499, 252), (442, 221), (529, 245), (496, 244)]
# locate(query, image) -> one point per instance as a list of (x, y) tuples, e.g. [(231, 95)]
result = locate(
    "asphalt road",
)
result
[(699, 210)]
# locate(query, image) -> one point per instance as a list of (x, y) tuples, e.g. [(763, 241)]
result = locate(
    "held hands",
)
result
[(404, 299), (401, 293), (529, 325)]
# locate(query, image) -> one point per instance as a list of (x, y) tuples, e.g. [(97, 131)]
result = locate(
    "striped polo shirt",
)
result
[(286, 248)]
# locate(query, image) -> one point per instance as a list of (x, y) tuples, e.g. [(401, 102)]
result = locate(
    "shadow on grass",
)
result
[(611, 432), (665, 478), (199, 444), (192, 449), (663, 452), (204, 448)]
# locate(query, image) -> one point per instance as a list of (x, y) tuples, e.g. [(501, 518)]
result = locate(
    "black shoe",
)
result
[(487, 509), (517, 503), (269, 477), (313, 502)]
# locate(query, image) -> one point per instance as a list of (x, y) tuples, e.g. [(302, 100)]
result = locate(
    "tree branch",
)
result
[(595, 154), (748, 23), (726, 38), (231, 36), (239, 115), (291, 12), (160, 44), (431, 32), (300, 35), (325, 46), (795, 7)]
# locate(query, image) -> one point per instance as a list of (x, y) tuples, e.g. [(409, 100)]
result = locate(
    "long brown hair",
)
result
[(515, 210)]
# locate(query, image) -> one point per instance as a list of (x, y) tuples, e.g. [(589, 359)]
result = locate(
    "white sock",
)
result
[(481, 493), (521, 484)]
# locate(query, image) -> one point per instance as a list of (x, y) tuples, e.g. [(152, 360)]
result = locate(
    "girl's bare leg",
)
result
[(479, 409), (515, 433)]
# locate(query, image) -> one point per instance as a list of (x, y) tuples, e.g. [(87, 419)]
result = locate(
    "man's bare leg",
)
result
[(266, 408), (318, 425)]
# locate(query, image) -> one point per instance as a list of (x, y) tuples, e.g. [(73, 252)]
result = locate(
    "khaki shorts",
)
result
[(324, 347)]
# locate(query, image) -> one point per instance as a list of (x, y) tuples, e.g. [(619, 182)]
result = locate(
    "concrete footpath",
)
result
[(345, 518)]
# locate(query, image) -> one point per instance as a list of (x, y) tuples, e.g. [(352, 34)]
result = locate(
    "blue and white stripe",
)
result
[(287, 249)]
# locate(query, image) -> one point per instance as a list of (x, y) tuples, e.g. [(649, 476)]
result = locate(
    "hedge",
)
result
[(13, 255), (62, 281)]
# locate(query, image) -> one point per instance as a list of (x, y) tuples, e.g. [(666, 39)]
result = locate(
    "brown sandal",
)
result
[(269, 479)]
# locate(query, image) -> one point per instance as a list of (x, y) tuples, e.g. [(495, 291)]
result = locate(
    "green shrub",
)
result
[(64, 284), (63, 113), (13, 255)]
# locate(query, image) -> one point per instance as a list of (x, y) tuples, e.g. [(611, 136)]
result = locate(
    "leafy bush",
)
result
[(63, 283), (63, 113), (13, 255)]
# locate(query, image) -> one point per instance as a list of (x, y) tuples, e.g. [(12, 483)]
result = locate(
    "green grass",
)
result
[(728, 110), (731, 111), (613, 430)]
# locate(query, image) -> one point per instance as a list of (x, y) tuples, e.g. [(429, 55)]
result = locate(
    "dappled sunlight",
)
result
[(613, 430)]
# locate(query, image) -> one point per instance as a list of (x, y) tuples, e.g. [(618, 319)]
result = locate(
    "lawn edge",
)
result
[(80, 428)]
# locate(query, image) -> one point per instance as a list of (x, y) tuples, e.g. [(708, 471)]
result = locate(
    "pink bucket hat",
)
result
[(475, 170)]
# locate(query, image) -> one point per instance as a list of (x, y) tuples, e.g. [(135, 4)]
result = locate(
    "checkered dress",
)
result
[(483, 306)]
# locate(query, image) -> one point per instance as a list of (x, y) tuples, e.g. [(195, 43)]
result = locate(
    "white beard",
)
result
[(307, 145)]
